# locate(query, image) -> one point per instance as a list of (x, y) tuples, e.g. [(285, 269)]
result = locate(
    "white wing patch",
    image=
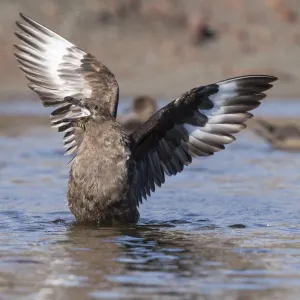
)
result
[(50, 62)]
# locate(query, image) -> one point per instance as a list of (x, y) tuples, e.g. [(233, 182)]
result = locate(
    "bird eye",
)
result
[(96, 106)]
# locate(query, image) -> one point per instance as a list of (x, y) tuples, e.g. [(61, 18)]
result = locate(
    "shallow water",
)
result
[(228, 227)]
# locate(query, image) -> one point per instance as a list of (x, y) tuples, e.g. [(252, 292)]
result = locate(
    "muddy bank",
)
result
[(165, 47)]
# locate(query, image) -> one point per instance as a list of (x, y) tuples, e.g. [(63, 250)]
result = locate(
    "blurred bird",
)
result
[(283, 137), (144, 107), (112, 171)]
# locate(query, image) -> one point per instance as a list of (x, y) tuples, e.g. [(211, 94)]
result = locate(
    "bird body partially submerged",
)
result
[(112, 170), (101, 173)]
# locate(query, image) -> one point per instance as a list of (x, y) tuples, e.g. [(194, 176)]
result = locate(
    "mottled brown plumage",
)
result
[(101, 172), (112, 170)]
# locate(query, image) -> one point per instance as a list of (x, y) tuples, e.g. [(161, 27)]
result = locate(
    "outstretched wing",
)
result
[(182, 130), (57, 69)]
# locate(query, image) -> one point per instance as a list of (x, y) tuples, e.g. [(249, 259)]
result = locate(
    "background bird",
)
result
[(143, 108), (279, 136)]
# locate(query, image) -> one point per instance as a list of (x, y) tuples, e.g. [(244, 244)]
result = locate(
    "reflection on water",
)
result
[(226, 228)]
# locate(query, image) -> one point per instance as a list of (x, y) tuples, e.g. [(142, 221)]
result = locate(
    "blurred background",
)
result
[(227, 227), (163, 47)]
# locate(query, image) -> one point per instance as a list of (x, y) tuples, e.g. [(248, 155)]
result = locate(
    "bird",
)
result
[(282, 137), (144, 107), (112, 172)]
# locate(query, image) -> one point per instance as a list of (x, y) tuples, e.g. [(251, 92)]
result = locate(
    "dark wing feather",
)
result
[(199, 123), (70, 119)]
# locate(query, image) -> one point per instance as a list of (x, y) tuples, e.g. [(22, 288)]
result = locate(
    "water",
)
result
[(228, 227)]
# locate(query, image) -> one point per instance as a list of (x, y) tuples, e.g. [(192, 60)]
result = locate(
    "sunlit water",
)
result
[(228, 227)]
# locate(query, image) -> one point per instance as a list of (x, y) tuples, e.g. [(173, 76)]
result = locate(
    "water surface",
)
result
[(228, 227)]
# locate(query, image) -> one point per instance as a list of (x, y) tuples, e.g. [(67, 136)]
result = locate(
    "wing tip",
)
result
[(16, 54), (271, 78), (19, 25), (24, 17), (267, 79)]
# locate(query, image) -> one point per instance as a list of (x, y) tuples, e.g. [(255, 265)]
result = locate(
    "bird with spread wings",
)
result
[(198, 123)]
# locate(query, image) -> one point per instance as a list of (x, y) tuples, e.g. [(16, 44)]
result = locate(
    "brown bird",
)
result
[(283, 137), (144, 107), (112, 170)]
